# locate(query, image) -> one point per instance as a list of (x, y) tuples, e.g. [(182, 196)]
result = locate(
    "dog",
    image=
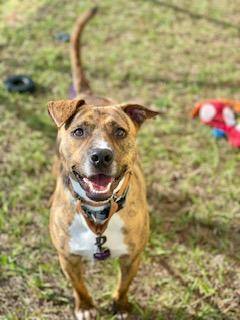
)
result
[(99, 208)]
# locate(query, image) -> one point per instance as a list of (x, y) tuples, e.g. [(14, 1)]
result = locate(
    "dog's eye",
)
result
[(120, 133), (79, 132)]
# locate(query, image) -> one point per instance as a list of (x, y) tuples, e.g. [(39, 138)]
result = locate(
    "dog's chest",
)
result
[(82, 239)]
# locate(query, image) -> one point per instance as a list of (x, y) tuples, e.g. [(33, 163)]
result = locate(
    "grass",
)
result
[(168, 54)]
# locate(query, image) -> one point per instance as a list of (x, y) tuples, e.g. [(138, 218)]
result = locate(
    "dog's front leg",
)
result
[(128, 270), (84, 307)]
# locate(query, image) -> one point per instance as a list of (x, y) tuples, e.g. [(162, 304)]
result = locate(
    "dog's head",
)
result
[(97, 144)]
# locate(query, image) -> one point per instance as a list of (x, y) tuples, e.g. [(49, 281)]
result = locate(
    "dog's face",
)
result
[(96, 144)]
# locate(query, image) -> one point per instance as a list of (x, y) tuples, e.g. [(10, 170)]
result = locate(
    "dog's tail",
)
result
[(79, 80)]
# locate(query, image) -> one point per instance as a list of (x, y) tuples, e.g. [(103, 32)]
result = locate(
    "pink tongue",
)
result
[(100, 181)]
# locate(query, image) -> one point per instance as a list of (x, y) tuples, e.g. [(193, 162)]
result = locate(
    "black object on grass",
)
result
[(20, 84)]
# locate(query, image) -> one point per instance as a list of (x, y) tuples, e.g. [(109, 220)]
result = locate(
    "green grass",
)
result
[(168, 54)]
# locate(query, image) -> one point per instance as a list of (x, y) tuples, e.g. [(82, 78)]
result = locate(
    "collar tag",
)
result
[(101, 253)]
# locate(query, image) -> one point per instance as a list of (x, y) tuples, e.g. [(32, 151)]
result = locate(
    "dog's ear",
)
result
[(138, 113), (62, 110)]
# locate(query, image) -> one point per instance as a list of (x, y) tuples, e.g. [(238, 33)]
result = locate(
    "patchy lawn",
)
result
[(168, 54)]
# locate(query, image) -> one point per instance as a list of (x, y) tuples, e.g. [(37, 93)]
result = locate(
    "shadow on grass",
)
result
[(207, 235), (198, 16), (35, 120), (195, 291), (39, 123)]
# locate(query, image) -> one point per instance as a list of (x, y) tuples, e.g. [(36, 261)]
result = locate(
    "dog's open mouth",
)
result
[(99, 183), (98, 187)]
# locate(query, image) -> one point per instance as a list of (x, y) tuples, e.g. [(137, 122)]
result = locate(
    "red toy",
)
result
[(220, 115)]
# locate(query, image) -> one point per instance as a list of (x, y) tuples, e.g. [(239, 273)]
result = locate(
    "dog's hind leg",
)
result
[(84, 307), (128, 270)]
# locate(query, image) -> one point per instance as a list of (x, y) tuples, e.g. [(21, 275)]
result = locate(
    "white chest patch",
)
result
[(82, 239)]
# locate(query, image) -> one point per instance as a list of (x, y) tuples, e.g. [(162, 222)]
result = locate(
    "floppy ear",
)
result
[(138, 113), (62, 110)]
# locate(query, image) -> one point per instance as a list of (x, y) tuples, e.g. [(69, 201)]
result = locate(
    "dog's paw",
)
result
[(121, 315), (90, 314), (121, 311)]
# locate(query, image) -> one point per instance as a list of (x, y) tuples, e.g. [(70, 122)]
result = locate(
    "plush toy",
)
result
[(221, 116)]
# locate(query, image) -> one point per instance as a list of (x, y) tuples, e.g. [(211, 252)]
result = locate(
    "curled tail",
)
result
[(79, 80)]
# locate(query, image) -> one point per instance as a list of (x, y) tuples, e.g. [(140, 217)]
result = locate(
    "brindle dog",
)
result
[(100, 191)]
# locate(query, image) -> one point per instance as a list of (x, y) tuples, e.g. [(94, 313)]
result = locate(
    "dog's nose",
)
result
[(101, 158)]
